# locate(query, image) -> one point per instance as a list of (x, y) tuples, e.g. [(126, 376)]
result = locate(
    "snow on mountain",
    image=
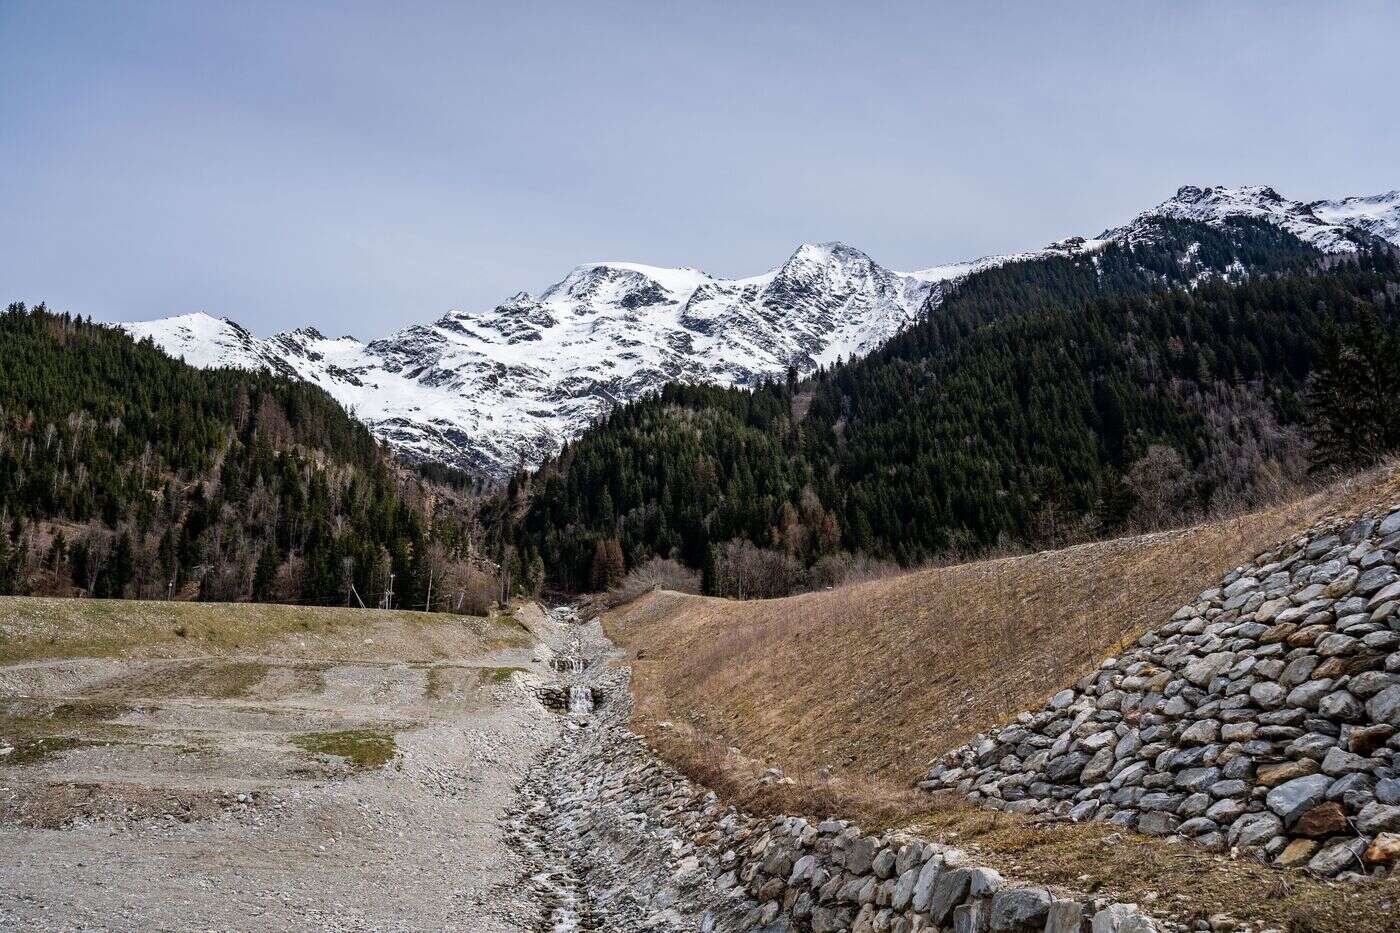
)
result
[(1378, 214), (207, 342), (1330, 226), (486, 390), (483, 390)]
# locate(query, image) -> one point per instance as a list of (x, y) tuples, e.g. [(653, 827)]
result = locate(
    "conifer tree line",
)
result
[(125, 473), (1041, 403)]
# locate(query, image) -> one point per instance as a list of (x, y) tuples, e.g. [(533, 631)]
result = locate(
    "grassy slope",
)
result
[(853, 691), (33, 628)]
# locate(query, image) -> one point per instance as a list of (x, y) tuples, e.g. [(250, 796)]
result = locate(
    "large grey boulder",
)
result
[(1201, 671), (1292, 799), (1066, 768), (1375, 579), (1341, 706), (1268, 694), (1065, 917), (1019, 910), (1338, 857), (904, 889), (924, 884), (860, 854), (1378, 818), (1122, 918), (971, 917), (949, 892), (1255, 829), (1203, 732), (1385, 706), (1390, 524)]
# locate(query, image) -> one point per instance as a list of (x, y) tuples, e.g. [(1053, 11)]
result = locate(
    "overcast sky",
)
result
[(363, 166)]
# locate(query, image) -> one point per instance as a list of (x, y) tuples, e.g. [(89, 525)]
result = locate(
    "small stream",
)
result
[(590, 866), (580, 701)]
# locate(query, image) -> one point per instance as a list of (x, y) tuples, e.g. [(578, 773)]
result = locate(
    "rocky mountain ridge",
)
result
[(489, 390)]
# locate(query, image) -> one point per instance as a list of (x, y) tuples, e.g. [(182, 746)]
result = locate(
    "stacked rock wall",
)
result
[(1263, 717), (830, 877)]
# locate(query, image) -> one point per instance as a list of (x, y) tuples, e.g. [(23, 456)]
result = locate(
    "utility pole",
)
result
[(357, 595), (428, 605), (389, 593)]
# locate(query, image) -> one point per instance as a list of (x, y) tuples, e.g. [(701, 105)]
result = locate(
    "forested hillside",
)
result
[(1043, 402), (124, 472)]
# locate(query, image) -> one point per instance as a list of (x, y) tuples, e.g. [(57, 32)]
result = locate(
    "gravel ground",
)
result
[(178, 796)]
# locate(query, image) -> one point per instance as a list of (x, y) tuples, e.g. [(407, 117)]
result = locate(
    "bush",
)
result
[(744, 571), (479, 593), (656, 574), (842, 569)]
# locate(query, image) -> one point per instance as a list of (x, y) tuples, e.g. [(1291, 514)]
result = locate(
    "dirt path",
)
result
[(263, 793)]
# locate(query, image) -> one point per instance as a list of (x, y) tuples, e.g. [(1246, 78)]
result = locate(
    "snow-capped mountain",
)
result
[(1330, 226), (482, 390), (485, 390)]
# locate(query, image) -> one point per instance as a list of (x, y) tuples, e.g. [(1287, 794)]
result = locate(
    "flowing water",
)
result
[(580, 701)]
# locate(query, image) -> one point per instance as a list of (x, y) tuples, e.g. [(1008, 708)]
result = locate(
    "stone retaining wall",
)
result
[(1262, 718)]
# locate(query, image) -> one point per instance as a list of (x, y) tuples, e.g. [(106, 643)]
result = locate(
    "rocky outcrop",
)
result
[(1262, 718)]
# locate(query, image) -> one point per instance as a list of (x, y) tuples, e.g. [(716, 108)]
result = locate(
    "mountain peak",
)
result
[(1330, 226), (829, 251)]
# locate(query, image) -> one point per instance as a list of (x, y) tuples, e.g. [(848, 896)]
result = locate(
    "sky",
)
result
[(360, 167)]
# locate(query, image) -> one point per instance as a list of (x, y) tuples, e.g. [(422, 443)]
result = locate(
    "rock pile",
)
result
[(1262, 718)]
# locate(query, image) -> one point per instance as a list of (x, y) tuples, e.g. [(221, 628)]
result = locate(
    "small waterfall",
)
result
[(568, 664), (580, 701)]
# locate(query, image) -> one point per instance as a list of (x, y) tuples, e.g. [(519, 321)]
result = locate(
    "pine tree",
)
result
[(608, 565), (708, 579), (1354, 395), (121, 567), (265, 575)]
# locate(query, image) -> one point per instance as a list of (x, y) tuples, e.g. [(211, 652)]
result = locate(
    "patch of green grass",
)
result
[(363, 748), (40, 728), (497, 675), (33, 751), (439, 682)]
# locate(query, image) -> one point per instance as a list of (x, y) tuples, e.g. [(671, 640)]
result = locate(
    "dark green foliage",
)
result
[(174, 475), (1354, 396), (1011, 413)]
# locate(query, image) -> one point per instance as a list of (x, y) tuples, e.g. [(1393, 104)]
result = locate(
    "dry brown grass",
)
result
[(875, 680), (35, 628), (853, 691)]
